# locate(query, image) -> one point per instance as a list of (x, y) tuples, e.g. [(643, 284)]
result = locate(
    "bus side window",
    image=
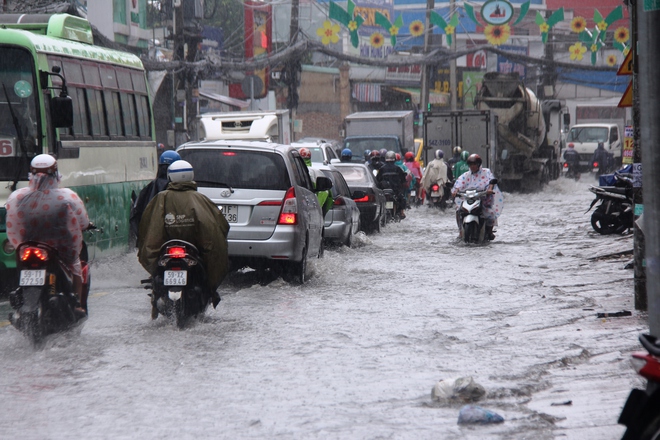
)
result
[(127, 103)]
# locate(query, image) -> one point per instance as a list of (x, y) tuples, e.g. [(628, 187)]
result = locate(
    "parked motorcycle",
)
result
[(45, 301), (473, 223), (614, 210), (640, 414), (179, 290)]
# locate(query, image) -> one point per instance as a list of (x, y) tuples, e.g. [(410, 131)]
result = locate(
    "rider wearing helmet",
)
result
[(436, 172), (456, 156), (180, 212), (306, 154), (391, 176), (481, 179), (150, 190), (376, 162), (44, 212), (367, 156), (346, 155), (461, 166), (416, 170)]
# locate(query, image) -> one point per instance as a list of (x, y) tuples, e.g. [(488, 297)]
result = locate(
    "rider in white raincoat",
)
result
[(479, 178)]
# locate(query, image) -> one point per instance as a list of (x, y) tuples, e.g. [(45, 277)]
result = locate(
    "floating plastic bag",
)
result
[(471, 414), (462, 389)]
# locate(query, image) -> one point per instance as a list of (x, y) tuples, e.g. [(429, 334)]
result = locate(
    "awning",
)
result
[(434, 98), (365, 92), (224, 99)]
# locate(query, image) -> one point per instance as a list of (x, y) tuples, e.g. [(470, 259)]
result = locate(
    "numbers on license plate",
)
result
[(175, 278), (33, 277), (230, 212)]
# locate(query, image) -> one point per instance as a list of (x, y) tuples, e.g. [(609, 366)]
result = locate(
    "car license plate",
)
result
[(33, 278), (230, 212), (389, 205), (175, 278)]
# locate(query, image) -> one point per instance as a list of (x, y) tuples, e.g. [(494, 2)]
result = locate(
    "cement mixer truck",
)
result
[(519, 137)]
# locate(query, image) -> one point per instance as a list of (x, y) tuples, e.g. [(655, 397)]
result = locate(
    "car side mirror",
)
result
[(358, 194), (323, 184), (61, 111)]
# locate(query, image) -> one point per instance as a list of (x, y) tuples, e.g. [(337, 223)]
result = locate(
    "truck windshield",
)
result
[(359, 145), (588, 134), (18, 94)]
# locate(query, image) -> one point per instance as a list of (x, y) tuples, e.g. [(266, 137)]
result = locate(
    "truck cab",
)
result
[(585, 139)]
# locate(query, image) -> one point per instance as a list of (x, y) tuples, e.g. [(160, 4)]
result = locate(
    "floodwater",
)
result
[(355, 352)]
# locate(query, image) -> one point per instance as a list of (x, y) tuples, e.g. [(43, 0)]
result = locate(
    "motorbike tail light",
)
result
[(647, 366), (595, 164), (571, 145), (289, 213), (176, 252), (365, 199), (435, 187), (30, 251), (565, 164), (339, 201)]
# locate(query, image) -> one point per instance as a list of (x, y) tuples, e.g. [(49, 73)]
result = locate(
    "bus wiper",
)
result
[(21, 141), (216, 184)]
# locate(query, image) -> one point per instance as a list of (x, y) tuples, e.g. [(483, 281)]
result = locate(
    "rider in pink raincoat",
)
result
[(47, 213)]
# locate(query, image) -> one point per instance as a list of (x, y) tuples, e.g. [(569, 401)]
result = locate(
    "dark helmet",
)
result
[(601, 145), (439, 154), (346, 154), (168, 157), (474, 158), (367, 153), (375, 154), (383, 152), (409, 156), (390, 156)]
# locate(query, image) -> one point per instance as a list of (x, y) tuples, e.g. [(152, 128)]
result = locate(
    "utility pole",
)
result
[(179, 78), (647, 64), (453, 86), (424, 92)]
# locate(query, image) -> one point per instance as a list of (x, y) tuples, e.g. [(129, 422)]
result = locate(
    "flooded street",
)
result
[(355, 352)]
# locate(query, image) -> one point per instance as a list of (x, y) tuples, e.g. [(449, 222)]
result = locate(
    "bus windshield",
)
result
[(18, 96)]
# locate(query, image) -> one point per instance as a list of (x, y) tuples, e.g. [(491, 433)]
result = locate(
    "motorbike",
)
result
[(178, 290), (473, 224), (614, 210), (45, 302), (392, 209), (571, 171), (640, 413), (439, 194)]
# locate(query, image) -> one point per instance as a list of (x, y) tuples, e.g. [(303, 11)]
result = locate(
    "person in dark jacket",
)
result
[(180, 212), (393, 177), (602, 158), (149, 192)]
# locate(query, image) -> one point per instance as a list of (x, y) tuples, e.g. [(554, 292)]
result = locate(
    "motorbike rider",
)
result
[(324, 197), (436, 172), (602, 158), (461, 166), (393, 177), (346, 155), (376, 162), (367, 156), (44, 212), (456, 156), (149, 192), (480, 178), (416, 170), (572, 158), (180, 212)]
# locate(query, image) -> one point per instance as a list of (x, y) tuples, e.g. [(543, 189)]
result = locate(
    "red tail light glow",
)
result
[(595, 164), (571, 145), (289, 213), (565, 164), (27, 252), (435, 187), (176, 252), (647, 366), (339, 201), (229, 153), (365, 199)]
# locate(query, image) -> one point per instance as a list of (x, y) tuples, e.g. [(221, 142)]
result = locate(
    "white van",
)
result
[(585, 138), (270, 126)]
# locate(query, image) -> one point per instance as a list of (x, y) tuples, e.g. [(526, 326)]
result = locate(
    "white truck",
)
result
[(273, 126), (585, 139), (391, 130)]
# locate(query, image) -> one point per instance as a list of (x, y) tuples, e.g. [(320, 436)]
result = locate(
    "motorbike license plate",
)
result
[(33, 277), (389, 205), (412, 193), (435, 193), (175, 278), (230, 212)]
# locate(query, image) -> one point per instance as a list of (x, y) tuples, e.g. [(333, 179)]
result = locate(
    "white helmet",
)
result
[(180, 171), (43, 163)]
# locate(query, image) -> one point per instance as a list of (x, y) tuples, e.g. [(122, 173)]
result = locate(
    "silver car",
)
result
[(266, 194), (322, 152), (342, 222)]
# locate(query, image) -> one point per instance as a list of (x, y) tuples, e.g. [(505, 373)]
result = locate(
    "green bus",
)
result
[(89, 106)]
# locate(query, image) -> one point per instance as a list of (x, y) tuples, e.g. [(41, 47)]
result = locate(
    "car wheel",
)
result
[(349, 238), (296, 272), (376, 225)]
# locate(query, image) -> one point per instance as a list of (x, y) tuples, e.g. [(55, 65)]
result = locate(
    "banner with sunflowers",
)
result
[(376, 29)]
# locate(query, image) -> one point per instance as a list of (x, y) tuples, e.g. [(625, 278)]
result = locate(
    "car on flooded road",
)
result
[(371, 200)]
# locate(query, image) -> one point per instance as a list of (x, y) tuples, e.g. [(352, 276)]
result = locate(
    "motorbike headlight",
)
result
[(7, 248)]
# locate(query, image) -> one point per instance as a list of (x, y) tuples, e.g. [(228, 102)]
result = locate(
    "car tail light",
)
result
[(289, 213), (228, 153), (365, 199), (176, 252), (339, 201), (29, 251), (270, 203)]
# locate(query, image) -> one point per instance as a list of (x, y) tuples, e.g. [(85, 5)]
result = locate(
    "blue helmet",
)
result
[(168, 157), (346, 153)]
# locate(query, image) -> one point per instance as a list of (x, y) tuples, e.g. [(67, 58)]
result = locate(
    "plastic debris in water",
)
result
[(477, 414)]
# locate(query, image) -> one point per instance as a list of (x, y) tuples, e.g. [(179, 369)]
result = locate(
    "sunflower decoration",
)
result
[(376, 40), (594, 42), (416, 28), (328, 32), (621, 36), (545, 26), (577, 51), (611, 60), (390, 28), (603, 23), (578, 24), (348, 18), (449, 28), (497, 34)]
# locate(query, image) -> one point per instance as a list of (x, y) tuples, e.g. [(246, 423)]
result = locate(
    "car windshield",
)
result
[(317, 154), (238, 168), (587, 134), (355, 175), (359, 146)]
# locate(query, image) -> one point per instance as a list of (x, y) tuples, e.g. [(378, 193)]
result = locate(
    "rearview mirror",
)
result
[(61, 111), (323, 184)]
